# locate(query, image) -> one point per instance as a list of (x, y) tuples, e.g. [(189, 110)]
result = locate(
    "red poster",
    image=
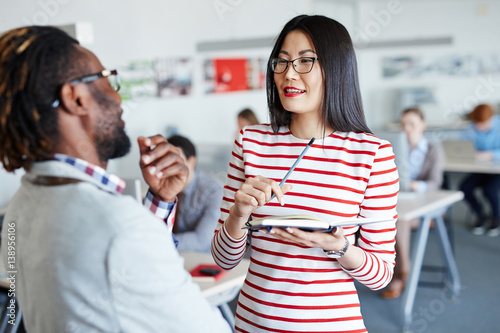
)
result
[(230, 75)]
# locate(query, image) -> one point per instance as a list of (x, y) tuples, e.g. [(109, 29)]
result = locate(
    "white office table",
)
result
[(222, 291), (427, 206), (472, 166)]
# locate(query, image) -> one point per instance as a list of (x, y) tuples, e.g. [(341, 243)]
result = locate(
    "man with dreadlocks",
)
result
[(87, 258)]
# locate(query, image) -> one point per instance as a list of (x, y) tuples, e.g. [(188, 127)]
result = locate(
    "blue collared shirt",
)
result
[(416, 159), (486, 141)]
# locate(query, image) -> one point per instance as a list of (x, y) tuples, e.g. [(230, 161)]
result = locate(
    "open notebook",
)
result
[(308, 222)]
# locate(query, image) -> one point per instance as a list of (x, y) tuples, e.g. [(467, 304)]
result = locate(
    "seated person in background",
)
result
[(485, 133), (88, 259), (199, 202), (425, 167), (246, 117)]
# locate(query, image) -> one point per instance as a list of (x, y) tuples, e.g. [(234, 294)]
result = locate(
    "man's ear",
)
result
[(192, 161), (74, 98)]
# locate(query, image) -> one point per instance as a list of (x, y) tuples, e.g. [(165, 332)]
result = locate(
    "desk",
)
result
[(472, 166), (427, 206), (219, 293)]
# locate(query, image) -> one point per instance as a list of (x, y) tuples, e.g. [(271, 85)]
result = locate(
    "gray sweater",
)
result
[(92, 261), (432, 169)]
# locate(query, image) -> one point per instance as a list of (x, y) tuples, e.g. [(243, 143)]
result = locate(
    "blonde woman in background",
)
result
[(425, 166), (246, 117)]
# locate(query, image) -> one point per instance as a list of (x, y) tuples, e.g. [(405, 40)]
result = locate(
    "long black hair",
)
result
[(34, 62), (342, 108)]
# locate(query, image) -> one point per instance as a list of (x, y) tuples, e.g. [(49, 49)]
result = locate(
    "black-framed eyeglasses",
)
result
[(112, 75), (303, 66)]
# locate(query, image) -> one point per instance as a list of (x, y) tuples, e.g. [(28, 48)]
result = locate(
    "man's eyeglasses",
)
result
[(112, 75), (301, 65)]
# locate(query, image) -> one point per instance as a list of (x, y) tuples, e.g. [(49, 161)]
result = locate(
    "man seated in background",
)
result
[(199, 202), (484, 131), (87, 258)]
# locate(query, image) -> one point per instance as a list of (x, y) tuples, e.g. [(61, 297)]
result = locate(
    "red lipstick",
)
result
[(293, 91)]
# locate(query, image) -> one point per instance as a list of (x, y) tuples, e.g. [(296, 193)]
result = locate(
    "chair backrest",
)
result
[(400, 148), (134, 188)]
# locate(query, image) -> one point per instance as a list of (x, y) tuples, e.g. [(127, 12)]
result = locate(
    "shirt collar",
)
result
[(423, 144), (111, 182)]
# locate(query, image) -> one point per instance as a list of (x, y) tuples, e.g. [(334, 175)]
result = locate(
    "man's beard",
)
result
[(110, 138)]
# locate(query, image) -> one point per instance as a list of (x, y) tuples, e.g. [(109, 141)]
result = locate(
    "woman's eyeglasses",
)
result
[(301, 65)]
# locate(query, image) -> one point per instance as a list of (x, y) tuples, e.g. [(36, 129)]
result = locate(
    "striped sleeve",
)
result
[(227, 251), (378, 239)]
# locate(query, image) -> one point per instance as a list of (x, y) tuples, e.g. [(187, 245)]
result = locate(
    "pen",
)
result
[(295, 164)]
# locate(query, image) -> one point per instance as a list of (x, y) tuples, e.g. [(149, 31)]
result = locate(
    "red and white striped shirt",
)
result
[(292, 288)]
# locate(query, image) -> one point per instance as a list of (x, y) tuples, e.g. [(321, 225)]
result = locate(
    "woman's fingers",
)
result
[(324, 240), (269, 187), (258, 193)]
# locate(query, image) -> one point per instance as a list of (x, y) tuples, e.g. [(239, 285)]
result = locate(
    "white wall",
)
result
[(130, 30), (474, 27)]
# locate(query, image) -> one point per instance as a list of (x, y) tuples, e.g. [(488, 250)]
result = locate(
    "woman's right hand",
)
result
[(255, 192)]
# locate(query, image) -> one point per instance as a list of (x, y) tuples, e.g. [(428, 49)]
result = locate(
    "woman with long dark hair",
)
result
[(301, 281)]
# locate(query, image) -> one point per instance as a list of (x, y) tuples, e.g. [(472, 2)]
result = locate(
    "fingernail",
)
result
[(282, 201), (146, 159), (272, 231), (147, 141), (159, 174), (152, 170), (289, 230)]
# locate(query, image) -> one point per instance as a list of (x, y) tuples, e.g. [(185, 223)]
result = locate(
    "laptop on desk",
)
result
[(459, 151)]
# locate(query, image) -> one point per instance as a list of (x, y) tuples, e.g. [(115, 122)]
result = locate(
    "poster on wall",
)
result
[(173, 76), (137, 80), (164, 77), (447, 65), (233, 74)]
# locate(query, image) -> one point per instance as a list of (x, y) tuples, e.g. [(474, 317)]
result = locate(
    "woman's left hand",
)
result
[(329, 241)]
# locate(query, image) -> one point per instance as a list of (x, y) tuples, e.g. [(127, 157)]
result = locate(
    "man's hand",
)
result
[(163, 167)]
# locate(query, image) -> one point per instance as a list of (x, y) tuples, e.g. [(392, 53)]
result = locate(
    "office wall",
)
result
[(473, 27), (130, 30)]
